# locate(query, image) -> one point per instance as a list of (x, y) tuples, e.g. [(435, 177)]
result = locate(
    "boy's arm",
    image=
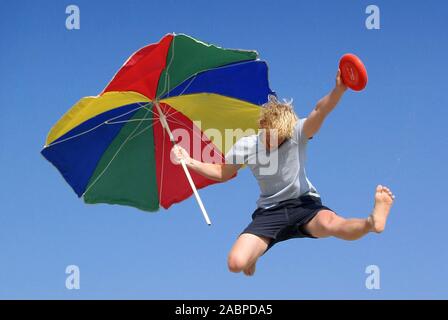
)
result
[(324, 107), (215, 171)]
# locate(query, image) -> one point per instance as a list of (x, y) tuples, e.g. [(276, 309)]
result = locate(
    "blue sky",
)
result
[(393, 133)]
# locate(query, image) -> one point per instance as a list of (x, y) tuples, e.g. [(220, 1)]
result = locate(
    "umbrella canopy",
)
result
[(114, 148)]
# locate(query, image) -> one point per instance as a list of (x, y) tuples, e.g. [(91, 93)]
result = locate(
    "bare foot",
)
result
[(250, 270), (383, 201)]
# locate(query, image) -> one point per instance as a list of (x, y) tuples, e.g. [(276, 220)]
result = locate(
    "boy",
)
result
[(289, 206)]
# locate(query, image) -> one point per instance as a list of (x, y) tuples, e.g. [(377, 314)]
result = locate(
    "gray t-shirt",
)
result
[(280, 173)]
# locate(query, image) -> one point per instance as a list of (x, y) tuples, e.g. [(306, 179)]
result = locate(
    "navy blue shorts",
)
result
[(285, 220)]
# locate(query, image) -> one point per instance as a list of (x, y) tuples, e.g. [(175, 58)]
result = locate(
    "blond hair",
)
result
[(278, 115)]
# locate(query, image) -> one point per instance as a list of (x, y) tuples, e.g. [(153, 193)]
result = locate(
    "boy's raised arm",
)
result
[(324, 107)]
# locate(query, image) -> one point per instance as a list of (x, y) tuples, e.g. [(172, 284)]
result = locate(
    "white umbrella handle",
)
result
[(184, 166), (195, 191)]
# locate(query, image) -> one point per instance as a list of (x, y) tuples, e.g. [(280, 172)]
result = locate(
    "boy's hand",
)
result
[(180, 153), (340, 86)]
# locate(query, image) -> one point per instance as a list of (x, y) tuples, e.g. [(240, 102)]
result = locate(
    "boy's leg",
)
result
[(326, 223), (245, 252)]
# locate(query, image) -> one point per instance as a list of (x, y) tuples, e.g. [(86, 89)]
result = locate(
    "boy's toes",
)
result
[(387, 190)]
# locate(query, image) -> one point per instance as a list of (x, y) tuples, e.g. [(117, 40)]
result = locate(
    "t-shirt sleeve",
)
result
[(299, 135), (239, 152)]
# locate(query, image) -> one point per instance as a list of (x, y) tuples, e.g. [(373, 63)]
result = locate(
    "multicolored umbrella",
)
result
[(115, 147)]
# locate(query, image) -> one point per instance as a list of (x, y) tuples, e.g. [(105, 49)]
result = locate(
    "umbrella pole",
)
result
[(184, 166)]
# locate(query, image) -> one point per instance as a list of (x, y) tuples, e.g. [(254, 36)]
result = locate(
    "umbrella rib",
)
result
[(130, 120), (91, 129), (189, 84), (143, 130), (113, 158), (144, 106), (171, 114), (185, 89), (149, 109), (175, 110)]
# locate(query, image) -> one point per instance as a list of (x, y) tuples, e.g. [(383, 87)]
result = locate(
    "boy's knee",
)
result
[(236, 262), (326, 220)]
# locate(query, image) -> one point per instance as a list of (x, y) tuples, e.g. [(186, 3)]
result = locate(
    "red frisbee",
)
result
[(353, 72)]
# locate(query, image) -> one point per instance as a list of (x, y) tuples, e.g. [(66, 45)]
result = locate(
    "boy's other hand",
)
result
[(180, 153), (340, 86)]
